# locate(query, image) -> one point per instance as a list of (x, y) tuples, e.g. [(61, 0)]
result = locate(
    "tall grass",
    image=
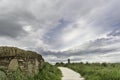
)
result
[(47, 72), (97, 71)]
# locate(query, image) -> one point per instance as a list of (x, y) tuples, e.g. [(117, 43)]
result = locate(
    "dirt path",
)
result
[(69, 74)]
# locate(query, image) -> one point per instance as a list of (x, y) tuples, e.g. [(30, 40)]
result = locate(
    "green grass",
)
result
[(96, 71), (47, 72)]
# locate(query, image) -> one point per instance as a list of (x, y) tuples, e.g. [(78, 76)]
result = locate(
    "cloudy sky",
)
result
[(82, 30)]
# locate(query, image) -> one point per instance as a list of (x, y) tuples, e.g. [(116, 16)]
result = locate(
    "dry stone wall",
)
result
[(12, 59)]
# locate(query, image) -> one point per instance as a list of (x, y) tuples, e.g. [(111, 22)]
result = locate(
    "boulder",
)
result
[(3, 76), (13, 66)]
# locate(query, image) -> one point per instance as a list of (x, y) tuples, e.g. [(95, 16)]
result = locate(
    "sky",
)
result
[(81, 30)]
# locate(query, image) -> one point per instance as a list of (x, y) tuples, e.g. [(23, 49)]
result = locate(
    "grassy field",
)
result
[(96, 71), (48, 72)]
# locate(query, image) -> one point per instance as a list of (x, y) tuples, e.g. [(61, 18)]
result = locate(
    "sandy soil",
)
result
[(69, 74)]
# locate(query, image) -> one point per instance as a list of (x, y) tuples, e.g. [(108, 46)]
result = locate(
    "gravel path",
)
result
[(69, 74)]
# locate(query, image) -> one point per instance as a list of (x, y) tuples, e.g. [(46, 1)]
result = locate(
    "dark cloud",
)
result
[(115, 32), (54, 28), (11, 28), (67, 54), (100, 46)]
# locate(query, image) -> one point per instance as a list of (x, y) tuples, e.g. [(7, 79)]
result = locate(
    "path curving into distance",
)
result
[(69, 74)]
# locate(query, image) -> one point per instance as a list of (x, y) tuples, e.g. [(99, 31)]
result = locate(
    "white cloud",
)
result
[(78, 33), (27, 28), (60, 25)]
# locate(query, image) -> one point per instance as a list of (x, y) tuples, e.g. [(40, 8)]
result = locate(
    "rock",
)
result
[(36, 66), (30, 67), (3, 76), (13, 66), (12, 58)]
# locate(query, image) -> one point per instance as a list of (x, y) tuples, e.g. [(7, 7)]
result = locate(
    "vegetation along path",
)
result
[(69, 74)]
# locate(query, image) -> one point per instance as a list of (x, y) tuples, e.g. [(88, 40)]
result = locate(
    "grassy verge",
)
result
[(96, 71), (48, 72)]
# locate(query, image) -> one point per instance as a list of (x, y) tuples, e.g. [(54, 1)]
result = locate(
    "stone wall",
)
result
[(12, 59), (30, 66)]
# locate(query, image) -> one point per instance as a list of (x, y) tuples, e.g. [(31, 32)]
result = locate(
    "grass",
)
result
[(47, 72), (96, 71)]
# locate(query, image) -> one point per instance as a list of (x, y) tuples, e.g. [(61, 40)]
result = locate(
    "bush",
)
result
[(48, 72)]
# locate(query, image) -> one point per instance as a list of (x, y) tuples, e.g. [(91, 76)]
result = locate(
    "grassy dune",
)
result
[(96, 71)]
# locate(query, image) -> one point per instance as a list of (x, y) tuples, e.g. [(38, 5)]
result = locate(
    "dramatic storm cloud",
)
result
[(82, 30)]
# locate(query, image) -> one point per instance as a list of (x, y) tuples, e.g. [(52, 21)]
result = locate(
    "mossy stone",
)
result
[(3, 76), (13, 66)]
